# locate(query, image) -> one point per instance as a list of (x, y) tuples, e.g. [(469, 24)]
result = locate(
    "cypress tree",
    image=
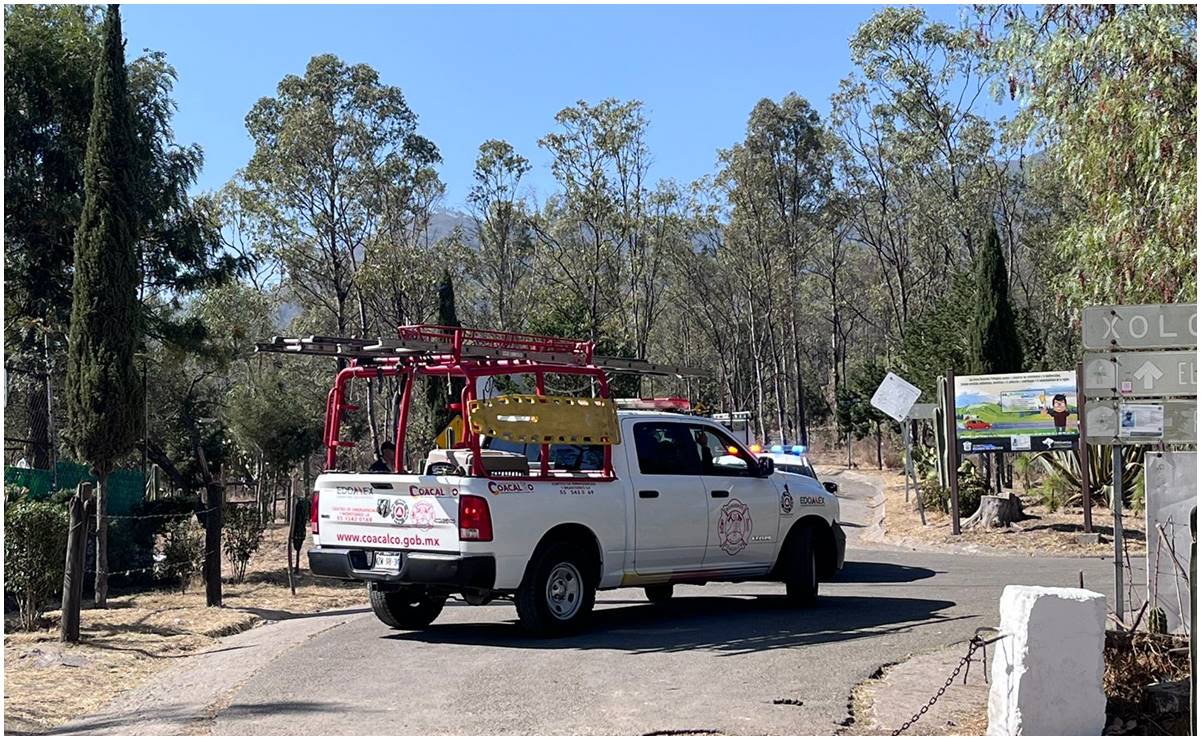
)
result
[(993, 345), (104, 393), (439, 393)]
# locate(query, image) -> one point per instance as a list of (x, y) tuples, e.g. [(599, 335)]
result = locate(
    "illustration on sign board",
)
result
[(1019, 411)]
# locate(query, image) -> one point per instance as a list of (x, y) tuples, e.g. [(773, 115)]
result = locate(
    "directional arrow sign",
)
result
[(1147, 374), (1140, 374)]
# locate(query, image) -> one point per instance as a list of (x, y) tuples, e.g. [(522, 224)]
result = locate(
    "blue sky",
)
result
[(477, 72)]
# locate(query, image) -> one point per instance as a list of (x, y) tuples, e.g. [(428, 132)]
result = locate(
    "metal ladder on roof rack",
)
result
[(371, 351)]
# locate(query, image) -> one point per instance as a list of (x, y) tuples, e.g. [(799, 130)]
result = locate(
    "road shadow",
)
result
[(186, 718), (859, 571), (728, 625), (280, 615)]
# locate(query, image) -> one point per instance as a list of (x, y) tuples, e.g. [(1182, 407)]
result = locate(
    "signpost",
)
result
[(1161, 326), (896, 397), (1140, 374), (1179, 420), (1139, 396)]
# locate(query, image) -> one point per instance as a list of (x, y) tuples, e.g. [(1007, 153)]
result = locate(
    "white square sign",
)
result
[(895, 396)]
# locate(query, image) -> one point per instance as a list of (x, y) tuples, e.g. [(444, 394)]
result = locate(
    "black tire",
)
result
[(800, 569), (558, 591), (407, 609), (660, 593)]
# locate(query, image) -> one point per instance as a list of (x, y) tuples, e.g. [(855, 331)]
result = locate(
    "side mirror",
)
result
[(830, 486), (767, 466)]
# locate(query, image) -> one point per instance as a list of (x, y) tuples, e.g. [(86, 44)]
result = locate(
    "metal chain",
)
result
[(974, 643)]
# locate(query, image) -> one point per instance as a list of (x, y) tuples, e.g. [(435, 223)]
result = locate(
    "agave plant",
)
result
[(1100, 470)]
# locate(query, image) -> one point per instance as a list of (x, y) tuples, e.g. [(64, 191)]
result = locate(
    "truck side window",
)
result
[(718, 452), (665, 448)]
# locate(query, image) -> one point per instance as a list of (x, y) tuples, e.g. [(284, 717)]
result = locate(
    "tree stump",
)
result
[(996, 512)]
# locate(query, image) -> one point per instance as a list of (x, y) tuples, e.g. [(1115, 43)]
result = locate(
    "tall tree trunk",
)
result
[(101, 583)]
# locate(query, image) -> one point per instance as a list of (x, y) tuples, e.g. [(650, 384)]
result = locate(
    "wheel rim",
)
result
[(563, 591)]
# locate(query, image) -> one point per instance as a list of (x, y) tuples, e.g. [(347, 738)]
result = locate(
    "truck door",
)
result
[(670, 506), (744, 509)]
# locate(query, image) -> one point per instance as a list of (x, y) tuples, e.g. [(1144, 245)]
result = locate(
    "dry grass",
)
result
[(1043, 532), (47, 683), (1132, 661)]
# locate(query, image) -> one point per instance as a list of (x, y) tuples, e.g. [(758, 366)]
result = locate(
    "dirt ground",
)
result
[(47, 683), (1043, 532)]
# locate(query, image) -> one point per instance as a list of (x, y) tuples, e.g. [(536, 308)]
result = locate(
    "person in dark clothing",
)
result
[(383, 459), (1059, 412)]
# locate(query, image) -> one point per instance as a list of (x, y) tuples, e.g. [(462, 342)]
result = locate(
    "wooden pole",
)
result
[(952, 452), (77, 538), (213, 504), (1086, 499)]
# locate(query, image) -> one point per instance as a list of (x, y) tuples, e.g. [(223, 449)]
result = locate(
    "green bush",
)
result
[(131, 541), (971, 487), (35, 551), (183, 549), (1054, 491), (241, 536), (933, 496)]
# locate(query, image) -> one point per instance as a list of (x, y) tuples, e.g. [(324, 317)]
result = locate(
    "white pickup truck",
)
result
[(685, 503)]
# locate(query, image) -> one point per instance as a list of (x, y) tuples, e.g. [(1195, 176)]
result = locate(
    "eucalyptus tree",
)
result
[(505, 258), (1108, 94), (342, 178)]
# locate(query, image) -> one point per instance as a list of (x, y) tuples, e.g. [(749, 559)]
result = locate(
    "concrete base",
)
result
[(1047, 671)]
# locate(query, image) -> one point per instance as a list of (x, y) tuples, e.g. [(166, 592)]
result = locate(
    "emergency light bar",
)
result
[(669, 403)]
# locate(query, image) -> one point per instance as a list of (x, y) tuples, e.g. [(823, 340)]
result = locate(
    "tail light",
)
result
[(313, 512), (475, 520)]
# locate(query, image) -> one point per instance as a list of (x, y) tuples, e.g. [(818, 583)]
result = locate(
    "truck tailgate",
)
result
[(387, 512)]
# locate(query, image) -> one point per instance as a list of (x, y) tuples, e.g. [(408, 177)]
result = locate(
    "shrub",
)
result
[(1053, 493), (971, 488), (933, 496), (35, 552), (131, 541), (241, 537), (183, 549)]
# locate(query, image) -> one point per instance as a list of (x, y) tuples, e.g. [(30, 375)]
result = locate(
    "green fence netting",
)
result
[(125, 487)]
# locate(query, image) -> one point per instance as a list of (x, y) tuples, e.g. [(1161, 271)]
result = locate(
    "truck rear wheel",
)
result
[(800, 574), (557, 593), (407, 609)]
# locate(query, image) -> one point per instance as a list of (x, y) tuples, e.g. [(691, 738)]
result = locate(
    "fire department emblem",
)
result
[(399, 512), (786, 501), (423, 514), (734, 527)]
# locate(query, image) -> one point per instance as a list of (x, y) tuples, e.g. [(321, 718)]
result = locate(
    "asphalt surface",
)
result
[(724, 658)]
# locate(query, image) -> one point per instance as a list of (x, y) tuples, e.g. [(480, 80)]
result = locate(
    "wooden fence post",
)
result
[(80, 508), (214, 499)]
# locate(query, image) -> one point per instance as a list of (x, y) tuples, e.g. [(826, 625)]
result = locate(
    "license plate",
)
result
[(387, 561)]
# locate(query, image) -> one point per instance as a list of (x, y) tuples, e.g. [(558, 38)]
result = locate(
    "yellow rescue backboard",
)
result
[(546, 419)]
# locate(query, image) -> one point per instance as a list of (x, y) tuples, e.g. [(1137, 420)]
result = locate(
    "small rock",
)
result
[(74, 661), (1088, 538)]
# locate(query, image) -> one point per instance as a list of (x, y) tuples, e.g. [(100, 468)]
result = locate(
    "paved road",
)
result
[(717, 658)]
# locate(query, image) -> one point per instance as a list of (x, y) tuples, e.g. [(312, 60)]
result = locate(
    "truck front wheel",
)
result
[(800, 580), (406, 609), (557, 593)]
